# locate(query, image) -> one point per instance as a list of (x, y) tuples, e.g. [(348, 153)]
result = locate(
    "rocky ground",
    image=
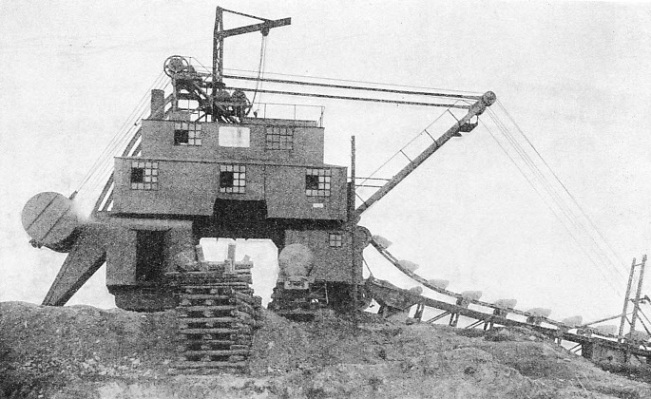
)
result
[(83, 352)]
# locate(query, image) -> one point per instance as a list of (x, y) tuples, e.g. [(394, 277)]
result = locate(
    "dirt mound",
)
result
[(83, 352)]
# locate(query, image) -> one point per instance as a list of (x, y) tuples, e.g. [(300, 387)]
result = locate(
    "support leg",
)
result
[(87, 255)]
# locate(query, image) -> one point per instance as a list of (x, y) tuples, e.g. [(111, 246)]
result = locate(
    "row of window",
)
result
[(232, 178), (277, 137)]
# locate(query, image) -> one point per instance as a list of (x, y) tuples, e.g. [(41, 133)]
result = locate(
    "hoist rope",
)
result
[(604, 264), (585, 215), (384, 84), (553, 194), (122, 132), (261, 65), (562, 203), (546, 202), (362, 88), (99, 174)]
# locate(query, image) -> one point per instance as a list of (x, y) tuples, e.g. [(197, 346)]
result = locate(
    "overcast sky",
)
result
[(573, 75)]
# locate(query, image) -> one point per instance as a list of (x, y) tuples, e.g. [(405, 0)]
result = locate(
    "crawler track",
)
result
[(217, 314)]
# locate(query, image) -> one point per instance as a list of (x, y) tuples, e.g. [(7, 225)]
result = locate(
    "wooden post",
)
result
[(638, 294), (351, 185), (217, 51), (352, 224), (230, 259), (626, 297)]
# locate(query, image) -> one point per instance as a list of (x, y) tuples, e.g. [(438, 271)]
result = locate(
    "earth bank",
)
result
[(84, 352)]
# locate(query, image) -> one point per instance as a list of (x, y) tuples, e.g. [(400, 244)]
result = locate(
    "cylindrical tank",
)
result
[(51, 220)]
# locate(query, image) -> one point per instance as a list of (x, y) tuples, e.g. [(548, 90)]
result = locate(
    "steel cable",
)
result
[(538, 178), (117, 137), (555, 193), (551, 192), (592, 224)]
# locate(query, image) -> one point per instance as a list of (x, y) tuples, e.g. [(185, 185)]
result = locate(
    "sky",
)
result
[(573, 75)]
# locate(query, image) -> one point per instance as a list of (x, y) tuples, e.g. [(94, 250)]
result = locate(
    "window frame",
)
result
[(146, 177), (323, 183), (335, 240), (191, 132), (279, 138), (237, 185)]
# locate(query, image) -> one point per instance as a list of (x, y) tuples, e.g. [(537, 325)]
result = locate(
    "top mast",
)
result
[(218, 42)]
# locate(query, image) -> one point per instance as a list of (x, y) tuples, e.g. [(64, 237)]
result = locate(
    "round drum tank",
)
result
[(295, 262), (50, 219)]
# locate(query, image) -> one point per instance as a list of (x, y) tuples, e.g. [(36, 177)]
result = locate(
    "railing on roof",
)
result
[(296, 112)]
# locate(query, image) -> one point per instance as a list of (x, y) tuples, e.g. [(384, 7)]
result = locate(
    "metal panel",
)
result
[(121, 257), (285, 193), (330, 263), (184, 188)]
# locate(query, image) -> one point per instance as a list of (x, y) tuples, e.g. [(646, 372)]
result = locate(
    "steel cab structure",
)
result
[(200, 165), (257, 178)]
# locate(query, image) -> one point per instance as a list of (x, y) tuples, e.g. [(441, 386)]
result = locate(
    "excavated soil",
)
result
[(83, 352)]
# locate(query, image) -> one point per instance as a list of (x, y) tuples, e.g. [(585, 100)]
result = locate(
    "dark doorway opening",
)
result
[(150, 249), (243, 219), (239, 219)]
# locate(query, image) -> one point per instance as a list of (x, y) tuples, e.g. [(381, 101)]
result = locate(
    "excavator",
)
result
[(198, 165)]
